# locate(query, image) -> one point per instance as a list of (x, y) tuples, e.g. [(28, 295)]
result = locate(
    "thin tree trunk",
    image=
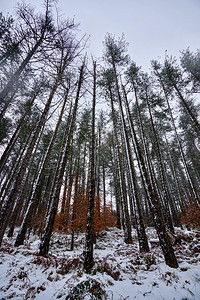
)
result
[(127, 224), (143, 243), (23, 197), (118, 195), (154, 205), (161, 167), (193, 191), (36, 189), (88, 259), (19, 178), (104, 186), (13, 172), (75, 202), (46, 235)]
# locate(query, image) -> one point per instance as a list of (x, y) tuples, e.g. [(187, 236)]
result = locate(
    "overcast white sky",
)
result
[(150, 26)]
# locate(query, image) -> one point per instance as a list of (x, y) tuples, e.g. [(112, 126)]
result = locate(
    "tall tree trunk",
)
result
[(36, 189), (46, 235), (24, 193), (174, 174), (193, 190), (143, 243), (75, 198), (104, 186), (69, 172), (88, 259), (127, 223), (19, 178), (167, 199), (69, 191), (7, 184), (117, 190), (154, 204)]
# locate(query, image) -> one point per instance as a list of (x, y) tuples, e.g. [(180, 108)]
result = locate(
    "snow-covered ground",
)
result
[(120, 271)]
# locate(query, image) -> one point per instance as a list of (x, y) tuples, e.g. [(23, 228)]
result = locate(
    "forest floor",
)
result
[(120, 271)]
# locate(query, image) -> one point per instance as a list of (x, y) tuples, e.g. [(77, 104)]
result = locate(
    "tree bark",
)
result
[(88, 259)]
